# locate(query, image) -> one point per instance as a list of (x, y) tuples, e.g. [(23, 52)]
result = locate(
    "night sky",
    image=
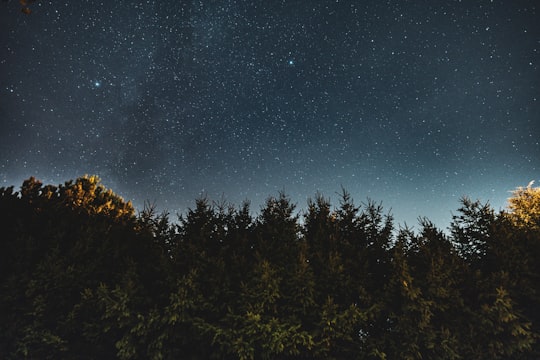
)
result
[(412, 103)]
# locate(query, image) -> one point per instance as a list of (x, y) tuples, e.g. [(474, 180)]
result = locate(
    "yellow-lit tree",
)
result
[(88, 194), (524, 207)]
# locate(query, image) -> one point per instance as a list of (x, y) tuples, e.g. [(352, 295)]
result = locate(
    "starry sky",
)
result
[(412, 103)]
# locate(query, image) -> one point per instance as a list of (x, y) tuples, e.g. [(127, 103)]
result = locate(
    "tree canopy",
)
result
[(83, 276)]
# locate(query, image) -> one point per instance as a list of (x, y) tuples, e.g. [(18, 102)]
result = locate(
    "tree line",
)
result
[(84, 276)]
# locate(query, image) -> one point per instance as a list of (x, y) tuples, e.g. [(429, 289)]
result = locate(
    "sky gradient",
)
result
[(414, 104)]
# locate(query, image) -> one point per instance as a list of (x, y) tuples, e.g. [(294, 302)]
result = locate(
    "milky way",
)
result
[(414, 104)]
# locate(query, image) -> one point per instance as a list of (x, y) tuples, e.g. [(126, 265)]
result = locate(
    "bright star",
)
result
[(290, 62), (97, 84)]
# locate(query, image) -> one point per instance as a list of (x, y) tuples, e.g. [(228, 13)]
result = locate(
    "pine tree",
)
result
[(471, 228)]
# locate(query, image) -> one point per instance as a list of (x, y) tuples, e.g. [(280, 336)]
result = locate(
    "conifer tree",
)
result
[(524, 207), (471, 228), (68, 238), (82, 276)]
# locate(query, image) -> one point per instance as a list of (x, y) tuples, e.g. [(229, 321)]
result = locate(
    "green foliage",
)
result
[(504, 330), (83, 277), (471, 229)]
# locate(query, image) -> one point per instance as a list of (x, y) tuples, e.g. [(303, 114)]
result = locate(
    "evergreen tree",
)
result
[(61, 241), (471, 229), (82, 276), (524, 207)]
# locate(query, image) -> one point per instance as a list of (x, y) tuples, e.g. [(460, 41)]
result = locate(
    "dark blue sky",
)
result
[(414, 104)]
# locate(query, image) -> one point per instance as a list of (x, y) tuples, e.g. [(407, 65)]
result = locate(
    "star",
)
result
[(303, 101)]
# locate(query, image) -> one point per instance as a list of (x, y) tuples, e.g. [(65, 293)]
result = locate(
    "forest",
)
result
[(86, 276)]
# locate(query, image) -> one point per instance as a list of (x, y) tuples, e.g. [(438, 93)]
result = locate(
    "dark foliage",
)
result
[(83, 277)]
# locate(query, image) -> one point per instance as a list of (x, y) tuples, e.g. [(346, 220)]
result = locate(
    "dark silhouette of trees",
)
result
[(83, 276)]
